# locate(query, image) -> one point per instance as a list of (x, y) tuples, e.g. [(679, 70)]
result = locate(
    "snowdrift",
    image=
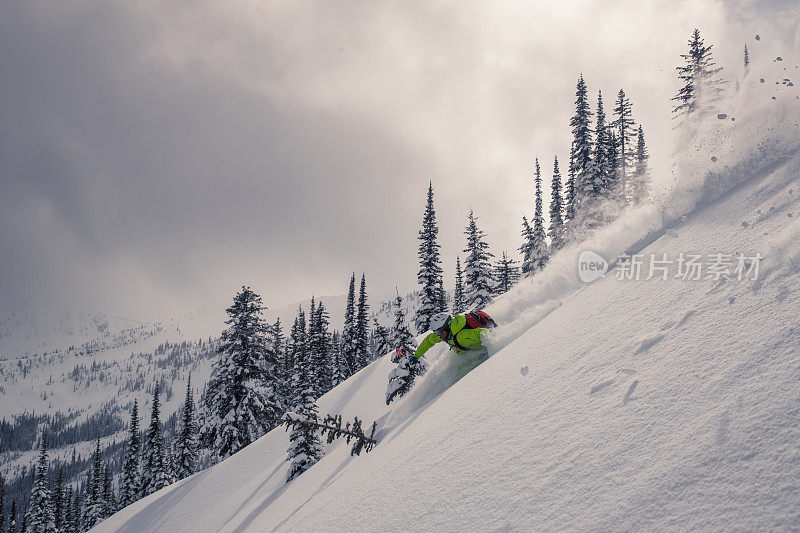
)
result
[(621, 404)]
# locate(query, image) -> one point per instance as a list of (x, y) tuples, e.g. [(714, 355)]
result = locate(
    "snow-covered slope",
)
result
[(650, 404)]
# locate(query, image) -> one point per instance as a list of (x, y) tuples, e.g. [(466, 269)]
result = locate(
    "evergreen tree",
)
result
[(304, 449), (131, 483), (401, 379), (156, 470), (320, 342), (282, 376), (432, 295), (625, 133), (506, 274), (187, 445), (93, 502), (581, 145), (23, 523), (538, 257), (458, 294), (109, 498), (616, 187), (58, 501), (241, 397), (67, 518), (362, 325), (401, 338), (349, 348), (477, 266), (337, 364), (297, 348), (570, 200), (382, 339), (702, 86), (600, 170), (39, 517), (12, 518), (640, 181), (556, 229), (527, 247)]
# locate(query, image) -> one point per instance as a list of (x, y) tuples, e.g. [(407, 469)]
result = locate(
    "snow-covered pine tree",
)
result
[(337, 364), (304, 448), (432, 295), (582, 146), (506, 274), (539, 253), (156, 470), (625, 135), (12, 518), (570, 193), (362, 326), (69, 525), (640, 180), (58, 500), (241, 397), (131, 484), (401, 379), (39, 516), (320, 343), (109, 498), (477, 266), (93, 502), (527, 246), (616, 186), (600, 169), (187, 446), (349, 330), (556, 229), (458, 294), (702, 86), (381, 339), (282, 377)]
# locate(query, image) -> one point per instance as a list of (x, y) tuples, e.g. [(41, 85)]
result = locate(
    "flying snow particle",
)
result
[(524, 370), (745, 224), (673, 233), (722, 116), (684, 218), (762, 80), (779, 58), (791, 191), (714, 158), (758, 37)]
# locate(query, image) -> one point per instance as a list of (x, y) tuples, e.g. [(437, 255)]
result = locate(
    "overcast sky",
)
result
[(156, 155)]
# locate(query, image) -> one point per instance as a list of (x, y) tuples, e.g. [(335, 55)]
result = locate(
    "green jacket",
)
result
[(460, 339)]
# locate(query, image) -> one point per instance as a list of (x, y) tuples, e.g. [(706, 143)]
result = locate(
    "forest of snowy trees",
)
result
[(264, 376)]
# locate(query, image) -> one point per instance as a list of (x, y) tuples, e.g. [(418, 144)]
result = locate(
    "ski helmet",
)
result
[(439, 320)]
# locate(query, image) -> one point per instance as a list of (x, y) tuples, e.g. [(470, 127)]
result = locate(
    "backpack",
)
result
[(479, 319)]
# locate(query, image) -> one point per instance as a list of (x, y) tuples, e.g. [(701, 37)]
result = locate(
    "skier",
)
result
[(462, 332)]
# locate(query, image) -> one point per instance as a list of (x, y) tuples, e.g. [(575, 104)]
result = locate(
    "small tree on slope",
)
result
[(40, 517), (506, 274), (241, 394), (401, 379), (458, 294), (349, 331), (556, 229), (362, 326), (383, 343), (130, 486), (478, 269), (187, 446), (702, 86), (156, 470), (432, 296), (304, 449)]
